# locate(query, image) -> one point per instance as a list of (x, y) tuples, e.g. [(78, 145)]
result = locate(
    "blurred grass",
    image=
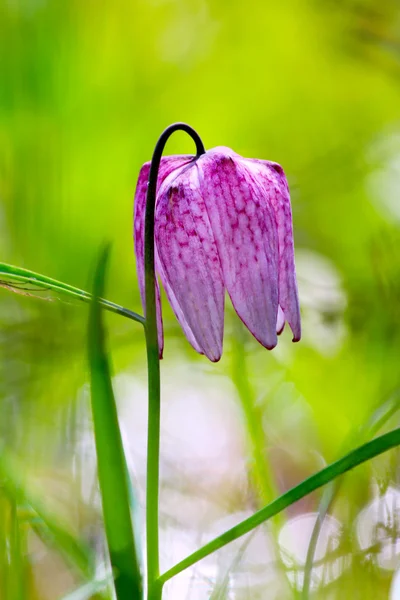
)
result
[(111, 463), (85, 91), (27, 510)]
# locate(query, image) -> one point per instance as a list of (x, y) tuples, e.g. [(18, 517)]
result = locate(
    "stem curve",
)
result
[(154, 586)]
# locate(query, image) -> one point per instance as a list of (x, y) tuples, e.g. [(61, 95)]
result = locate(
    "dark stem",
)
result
[(154, 588)]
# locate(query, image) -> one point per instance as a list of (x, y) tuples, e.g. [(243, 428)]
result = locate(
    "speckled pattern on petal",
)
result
[(177, 309), (191, 271), (272, 177), (245, 231), (222, 222), (168, 165)]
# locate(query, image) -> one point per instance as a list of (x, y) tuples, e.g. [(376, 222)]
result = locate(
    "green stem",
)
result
[(155, 590), (17, 274), (356, 457), (154, 586), (153, 452)]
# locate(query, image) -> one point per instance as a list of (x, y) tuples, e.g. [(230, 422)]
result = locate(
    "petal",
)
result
[(277, 191), (245, 232), (168, 164), (190, 268), (178, 312), (280, 321)]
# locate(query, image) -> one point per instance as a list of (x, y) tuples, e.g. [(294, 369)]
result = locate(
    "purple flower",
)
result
[(222, 222)]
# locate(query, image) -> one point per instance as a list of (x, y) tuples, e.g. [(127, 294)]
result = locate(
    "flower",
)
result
[(222, 222)]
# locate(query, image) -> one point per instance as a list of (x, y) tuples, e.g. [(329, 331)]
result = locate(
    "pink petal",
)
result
[(178, 312), (276, 192), (245, 232), (190, 268), (167, 165)]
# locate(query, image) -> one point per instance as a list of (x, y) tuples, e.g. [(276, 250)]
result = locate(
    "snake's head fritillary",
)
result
[(222, 222)]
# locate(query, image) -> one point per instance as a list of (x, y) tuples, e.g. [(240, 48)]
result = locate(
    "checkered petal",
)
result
[(190, 266), (168, 165), (272, 178), (245, 231)]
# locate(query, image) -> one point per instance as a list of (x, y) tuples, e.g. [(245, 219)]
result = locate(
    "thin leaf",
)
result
[(30, 278), (111, 463), (376, 421), (356, 457)]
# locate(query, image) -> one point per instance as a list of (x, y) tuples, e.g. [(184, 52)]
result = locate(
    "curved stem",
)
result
[(154, 588)]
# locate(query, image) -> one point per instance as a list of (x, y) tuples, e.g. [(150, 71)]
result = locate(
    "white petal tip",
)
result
[(280, 330)]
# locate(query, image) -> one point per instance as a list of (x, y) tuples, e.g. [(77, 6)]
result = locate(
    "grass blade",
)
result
[(111, 464), (353, 459), (18, 275), (377, 420)]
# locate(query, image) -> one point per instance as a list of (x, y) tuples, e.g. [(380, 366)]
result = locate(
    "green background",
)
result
[(86, 88)]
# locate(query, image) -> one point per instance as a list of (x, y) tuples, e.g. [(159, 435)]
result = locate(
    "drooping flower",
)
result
[(222, 222)]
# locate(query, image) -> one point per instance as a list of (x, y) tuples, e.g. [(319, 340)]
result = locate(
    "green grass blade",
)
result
[(376, 421), (111, 464), (10, 274), (356, 457)]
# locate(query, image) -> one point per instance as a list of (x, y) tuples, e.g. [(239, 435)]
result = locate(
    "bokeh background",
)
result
[(85, 90)]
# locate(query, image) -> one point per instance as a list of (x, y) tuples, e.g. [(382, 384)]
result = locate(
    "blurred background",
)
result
[(85, 90)]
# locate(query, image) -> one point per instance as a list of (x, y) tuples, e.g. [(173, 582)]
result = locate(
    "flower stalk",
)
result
[(154, 587)]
